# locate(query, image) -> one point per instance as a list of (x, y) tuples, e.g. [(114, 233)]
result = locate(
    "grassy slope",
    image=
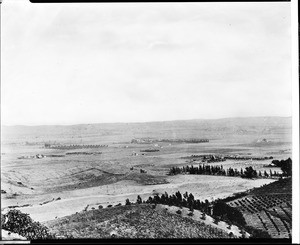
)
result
[(283, 186), (135, 221)]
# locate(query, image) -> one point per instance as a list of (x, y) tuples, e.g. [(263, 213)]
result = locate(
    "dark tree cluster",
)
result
[(285, 165), (180, 200), (201, 169), (217, 209), (225, 212), (185, 140), (23, 225), (248, 172)]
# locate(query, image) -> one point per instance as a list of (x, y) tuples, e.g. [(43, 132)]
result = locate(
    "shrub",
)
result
[(178, 212), (127, 202), (139, 200), (100, 207), (216, 220), (23, 225)]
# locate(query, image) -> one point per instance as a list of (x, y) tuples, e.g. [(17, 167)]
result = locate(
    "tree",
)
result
[(216, 220), (127, 202), (22, 224), (185, 195), (224, 211), (249, 173), (287, 167), (139, 200), (150, 200), (254, 174), (266, 174), (179, 196)]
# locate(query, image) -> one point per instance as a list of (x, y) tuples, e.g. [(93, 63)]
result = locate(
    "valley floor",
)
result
[(202, 186)]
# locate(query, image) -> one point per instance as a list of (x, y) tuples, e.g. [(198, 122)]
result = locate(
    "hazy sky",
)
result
[(90, 63)]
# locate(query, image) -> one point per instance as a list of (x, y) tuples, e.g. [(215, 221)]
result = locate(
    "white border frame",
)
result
[(295, 119)]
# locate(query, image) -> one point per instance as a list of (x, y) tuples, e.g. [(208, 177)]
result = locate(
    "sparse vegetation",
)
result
[(116, 173), (135, 221)]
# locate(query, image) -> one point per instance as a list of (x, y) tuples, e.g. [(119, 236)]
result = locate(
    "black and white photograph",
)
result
[(133, 121)]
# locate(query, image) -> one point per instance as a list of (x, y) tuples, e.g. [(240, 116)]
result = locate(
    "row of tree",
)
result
[(180, 200), (218, 209), (248, 172)]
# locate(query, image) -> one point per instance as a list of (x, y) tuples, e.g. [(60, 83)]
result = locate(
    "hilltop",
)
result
[(132, 221)]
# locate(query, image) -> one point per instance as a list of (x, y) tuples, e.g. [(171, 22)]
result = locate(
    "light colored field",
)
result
[(202, 187)]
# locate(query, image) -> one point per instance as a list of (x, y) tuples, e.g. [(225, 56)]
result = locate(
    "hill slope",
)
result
[(134, 221), (165, 129)]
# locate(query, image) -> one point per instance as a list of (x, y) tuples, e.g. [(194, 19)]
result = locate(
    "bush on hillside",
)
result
[(23, 225)]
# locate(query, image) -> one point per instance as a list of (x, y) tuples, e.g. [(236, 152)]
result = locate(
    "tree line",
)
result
[(217, 209), (203, 169)]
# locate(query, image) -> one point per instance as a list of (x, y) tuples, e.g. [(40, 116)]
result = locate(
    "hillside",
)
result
[(166, 129), (268, 208), (134, 221), (283, 186)]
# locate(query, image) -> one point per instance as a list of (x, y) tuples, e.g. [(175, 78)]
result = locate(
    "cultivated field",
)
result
[(269, 208)]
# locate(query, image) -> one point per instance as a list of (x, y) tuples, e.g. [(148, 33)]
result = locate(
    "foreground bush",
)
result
[(23, 225)]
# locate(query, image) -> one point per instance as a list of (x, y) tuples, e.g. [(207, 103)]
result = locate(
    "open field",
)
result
[(52, 187)]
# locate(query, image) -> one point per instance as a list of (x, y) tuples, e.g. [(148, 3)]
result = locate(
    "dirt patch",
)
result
[(146, 179)]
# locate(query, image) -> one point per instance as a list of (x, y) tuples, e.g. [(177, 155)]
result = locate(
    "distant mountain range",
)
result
[(179, 128), (231, 120)]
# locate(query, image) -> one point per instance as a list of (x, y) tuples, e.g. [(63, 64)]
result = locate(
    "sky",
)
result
[(135, 62)]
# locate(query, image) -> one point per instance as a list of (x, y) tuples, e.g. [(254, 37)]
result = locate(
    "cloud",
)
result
[(119, 62)]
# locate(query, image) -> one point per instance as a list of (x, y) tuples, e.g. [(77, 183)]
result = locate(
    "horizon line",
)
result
[(133, 122)]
